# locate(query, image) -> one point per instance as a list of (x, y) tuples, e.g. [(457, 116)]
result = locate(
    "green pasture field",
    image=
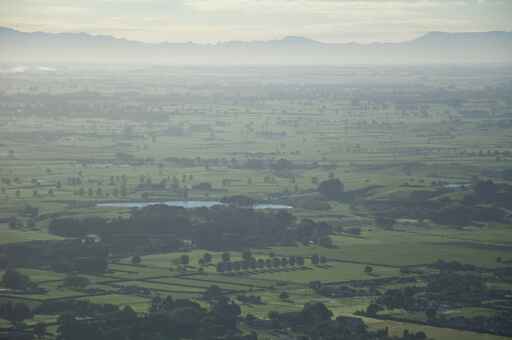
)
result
[(299, 297), (164, 288), (397, 328), (240, 279), (8, 236), (398, 248), (39, 276), (468, 312), (363, 145), (331, 272), (124, 272), (202, 285), (381, 145), (139, 304)]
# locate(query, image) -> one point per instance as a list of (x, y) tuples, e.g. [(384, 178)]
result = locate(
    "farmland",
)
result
[(417, 150)]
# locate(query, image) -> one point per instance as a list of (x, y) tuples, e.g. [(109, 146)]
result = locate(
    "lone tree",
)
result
[(316, 313), (368, 269), (332, 189), (326, 242), (315, 259), (431, 313), (207, 257), (184, 260), (212, 293), (373, 309), (384, 222), (226, 257), (40, 330), (247, 255), (75, 281), (13, 279), (13, 223), (136, 259)]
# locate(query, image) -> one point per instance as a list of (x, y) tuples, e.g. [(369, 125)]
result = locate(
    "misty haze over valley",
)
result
[(299, 170)]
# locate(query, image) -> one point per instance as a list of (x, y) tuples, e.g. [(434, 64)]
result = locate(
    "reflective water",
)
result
[(185, 204)]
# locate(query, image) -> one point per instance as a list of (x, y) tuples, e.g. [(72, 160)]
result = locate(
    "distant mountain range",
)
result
[(434, 47)]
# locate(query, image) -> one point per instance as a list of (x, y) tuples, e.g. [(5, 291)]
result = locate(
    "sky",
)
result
[(211, 21)]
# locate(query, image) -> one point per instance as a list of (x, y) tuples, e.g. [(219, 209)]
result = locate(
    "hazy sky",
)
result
[(222, 20)]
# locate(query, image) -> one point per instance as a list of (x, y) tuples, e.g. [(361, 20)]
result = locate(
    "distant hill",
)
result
[(434, 47)]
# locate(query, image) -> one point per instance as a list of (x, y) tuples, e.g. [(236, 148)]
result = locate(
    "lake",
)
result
[(186, 205)]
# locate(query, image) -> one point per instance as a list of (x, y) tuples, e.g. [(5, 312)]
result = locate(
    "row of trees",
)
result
[(248, 261), (253, 264)]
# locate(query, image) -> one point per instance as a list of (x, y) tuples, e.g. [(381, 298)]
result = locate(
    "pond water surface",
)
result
[(186, 204)]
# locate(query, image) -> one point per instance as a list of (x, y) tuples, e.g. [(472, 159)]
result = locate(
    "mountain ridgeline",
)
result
[(434, 47)]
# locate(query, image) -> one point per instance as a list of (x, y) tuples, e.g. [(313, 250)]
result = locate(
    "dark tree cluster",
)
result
[(315, 321), (15, 312), (61, 256), (338, 290), (332, 189), (250, 299), (453, 266), (217, 228), (167, 319), (448, 288), (455, 286), (485, 201)]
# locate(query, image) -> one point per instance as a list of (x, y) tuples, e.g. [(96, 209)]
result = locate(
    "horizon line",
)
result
[(284, 38)]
